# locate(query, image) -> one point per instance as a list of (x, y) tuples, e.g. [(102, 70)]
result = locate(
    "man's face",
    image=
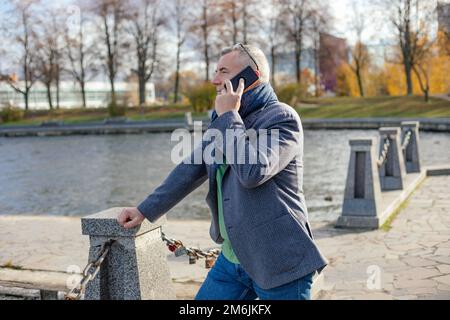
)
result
[(228, 66)]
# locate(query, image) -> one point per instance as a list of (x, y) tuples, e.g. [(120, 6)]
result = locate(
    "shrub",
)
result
[(291, 93), (116, 110), (202, 97), (10, 114)]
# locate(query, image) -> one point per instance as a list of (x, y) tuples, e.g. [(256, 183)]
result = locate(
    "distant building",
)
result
[(97, 95), (332, 53), (443, 10)]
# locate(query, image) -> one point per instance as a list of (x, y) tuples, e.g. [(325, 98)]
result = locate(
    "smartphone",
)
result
[(249, 76)]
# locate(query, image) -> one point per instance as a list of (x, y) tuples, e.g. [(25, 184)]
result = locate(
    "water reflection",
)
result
[(80, 175)]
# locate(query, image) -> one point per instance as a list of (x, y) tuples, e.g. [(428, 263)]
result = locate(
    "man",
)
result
[(258, 209)]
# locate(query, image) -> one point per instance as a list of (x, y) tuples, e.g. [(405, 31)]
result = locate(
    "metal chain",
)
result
[(89, 273), (384, 152), (406, 140), (194, 254)]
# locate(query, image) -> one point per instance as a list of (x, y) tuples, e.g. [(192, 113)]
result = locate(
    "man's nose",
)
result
[(216, 81)]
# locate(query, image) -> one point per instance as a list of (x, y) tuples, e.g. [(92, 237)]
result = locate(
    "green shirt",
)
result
[(227, 250)]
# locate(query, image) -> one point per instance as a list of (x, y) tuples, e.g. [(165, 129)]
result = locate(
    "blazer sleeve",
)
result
[(184, 178), (282, 129)]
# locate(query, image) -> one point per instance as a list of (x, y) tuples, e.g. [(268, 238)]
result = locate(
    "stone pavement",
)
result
[(410, 261)]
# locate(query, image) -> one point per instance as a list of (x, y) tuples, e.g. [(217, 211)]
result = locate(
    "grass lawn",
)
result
[(76, 116), (376, 107), (338, 107)]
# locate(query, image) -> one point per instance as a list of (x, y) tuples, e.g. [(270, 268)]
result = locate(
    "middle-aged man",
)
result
[(259, 215)]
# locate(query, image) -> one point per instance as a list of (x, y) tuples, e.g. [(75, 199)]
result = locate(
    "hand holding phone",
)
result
[(229, 100), (249, 76)]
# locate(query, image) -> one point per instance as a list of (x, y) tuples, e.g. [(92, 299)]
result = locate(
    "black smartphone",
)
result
[(249, 76)]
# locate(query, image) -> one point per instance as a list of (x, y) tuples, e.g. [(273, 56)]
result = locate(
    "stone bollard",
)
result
[(411, 150), (392, 171), (136, 266), (362, 190), (188, 119)]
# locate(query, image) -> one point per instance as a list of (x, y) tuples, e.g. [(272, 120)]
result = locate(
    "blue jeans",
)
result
[(228, 281)]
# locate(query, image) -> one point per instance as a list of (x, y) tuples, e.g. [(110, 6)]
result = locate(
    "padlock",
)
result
[(209, 262), (172, 247), (181, 251), (192, 260)]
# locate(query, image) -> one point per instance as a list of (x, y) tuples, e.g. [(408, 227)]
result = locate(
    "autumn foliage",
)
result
[(390, 78)]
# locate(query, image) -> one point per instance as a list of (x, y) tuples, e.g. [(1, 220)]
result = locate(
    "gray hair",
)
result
[(252, 56)]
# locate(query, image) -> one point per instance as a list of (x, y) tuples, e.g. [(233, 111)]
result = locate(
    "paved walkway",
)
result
[(410, 261)]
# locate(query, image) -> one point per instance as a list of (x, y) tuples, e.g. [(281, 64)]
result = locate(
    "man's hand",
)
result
[(130, 218), (229, 100)]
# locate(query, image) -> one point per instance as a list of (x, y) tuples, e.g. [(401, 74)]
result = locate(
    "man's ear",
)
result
[(258, 73)]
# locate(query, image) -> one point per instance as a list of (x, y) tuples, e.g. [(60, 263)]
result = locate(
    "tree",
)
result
[(274, 22), (112, 16), (423, 64), (244, 15), (206, 20), (81, 51), (297, 14), (143, 24), (410, 19), (49, 55), (359, 52), (318, 23), (181, 13), (24, 36), (360, 63)]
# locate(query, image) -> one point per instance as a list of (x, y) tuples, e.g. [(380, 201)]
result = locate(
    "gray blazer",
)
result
[(265, 214)]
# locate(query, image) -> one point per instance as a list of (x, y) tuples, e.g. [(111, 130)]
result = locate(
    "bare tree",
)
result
[(359, 52), (207, 19), (81, 52), (181, 12), (319, 22), (232, 13), (274, 21), (49, 54), (112, 15), (251, 17), (22, 31), (245, 16), (297, 13), (143, 24)]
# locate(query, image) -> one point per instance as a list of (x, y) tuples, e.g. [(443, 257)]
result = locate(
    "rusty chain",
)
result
[(92, 268), (194, 254), (89, 273)]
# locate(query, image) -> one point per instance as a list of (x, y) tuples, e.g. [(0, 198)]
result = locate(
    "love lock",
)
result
[(181, 251), (209, 262), (192, 260)]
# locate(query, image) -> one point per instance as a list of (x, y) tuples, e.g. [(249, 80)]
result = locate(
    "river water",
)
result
[(81, 175)]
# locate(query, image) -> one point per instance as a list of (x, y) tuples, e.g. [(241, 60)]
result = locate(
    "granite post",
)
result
[(136, 267), (392, 171), (362, 191), (411, 151)]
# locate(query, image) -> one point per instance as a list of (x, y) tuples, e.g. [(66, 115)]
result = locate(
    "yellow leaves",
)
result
[(346, 82)]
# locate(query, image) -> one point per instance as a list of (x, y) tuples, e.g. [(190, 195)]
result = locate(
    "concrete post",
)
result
[(411, 151), (362, 190), (392, 171), (136, 266)]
